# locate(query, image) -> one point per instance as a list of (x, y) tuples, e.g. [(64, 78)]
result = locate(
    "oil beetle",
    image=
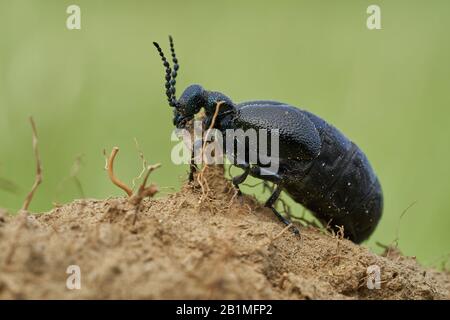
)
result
[(318, 166)]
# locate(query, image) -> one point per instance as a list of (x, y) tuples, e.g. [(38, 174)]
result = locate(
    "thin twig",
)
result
[(394, 243), (143, 190), (113, 178), (397, 233), (144, 164), (106, 159), (200, 178), (150, 169), (282, 232), (38, 177)]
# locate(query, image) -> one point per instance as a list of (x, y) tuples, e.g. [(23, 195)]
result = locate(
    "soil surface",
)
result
[(191, 246)]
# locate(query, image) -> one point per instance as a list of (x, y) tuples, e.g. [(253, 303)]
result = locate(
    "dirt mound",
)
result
[(178, 248)]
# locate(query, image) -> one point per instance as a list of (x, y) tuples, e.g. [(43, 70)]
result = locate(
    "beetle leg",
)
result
[(192, 166), (264, 174), (271, 201), (237, 180), (271, 188)]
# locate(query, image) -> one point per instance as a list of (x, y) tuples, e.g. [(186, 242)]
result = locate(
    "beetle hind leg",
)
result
[(192, 166), (270, 204), (237, 180)]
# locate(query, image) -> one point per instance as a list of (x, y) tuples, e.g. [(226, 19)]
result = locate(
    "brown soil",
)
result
[(178, 248)]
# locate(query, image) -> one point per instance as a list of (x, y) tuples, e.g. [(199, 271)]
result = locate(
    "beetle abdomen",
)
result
[(341, 186)]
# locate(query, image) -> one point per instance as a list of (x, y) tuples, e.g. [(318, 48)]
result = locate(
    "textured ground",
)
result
[(178, 248)]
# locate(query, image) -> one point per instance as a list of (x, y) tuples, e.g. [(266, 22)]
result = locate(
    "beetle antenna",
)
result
[(169, 91), (176, 66)]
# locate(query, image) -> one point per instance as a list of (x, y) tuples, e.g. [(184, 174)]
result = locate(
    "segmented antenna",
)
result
[(175, 66), (170, 90)]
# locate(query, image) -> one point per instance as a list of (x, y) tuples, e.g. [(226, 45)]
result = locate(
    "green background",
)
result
[(101, 86)]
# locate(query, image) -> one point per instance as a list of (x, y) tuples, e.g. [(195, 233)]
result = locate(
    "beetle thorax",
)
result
[(196, 97)]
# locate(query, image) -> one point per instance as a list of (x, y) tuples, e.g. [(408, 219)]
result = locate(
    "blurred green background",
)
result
[(101, 86)]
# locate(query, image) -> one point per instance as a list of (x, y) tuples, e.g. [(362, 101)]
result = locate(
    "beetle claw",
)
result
[(295, 230)]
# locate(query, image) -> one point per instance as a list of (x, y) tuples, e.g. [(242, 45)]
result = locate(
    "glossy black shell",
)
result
[(319, 167)]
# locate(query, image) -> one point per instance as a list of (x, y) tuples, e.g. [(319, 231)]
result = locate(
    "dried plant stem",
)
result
[(143, 190), (397, 232), (38, 177), (200, 177), (282, 231), (144, 164), (113, 178)]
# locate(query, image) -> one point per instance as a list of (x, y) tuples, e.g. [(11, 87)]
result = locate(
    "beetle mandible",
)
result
[(319, 167)]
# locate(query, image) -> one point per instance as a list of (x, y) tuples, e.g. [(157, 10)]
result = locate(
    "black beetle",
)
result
[(318, 167)]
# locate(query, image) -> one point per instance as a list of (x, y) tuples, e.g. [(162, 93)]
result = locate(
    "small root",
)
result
[(114, 179), (144, 164), (143, 191), (200, 176), (282, 232), (38, 178)]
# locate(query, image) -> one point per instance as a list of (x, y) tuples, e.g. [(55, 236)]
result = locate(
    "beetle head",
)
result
[(193, 98), (191, 101)]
